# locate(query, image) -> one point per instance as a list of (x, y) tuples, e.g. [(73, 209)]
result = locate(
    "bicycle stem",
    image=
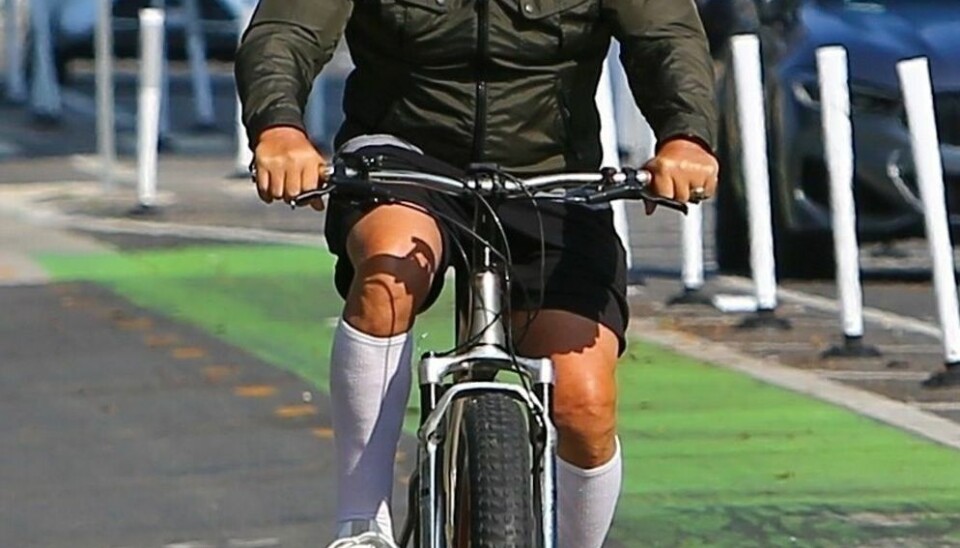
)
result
[(487, 324)]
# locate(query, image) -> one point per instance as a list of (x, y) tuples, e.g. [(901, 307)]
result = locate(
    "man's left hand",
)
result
[(683, 170)]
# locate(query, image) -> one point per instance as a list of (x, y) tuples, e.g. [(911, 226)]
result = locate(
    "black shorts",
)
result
[(579, 267)]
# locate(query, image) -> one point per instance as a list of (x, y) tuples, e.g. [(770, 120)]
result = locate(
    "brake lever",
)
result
[(304, 198), (635, 193), (665, 202)]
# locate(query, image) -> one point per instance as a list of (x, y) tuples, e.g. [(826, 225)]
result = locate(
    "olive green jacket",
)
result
[(504, 81)]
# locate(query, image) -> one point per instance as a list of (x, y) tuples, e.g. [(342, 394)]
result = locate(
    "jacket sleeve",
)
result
[(282, 51), (664, 52)]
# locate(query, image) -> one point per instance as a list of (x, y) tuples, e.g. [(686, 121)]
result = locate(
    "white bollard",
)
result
[(244, 154), (13, 47), (148, 108), (106, 123), (691, 274), (197, 57), (611, 151), (634, 134), (838, 145), (45, 100), (918, 98), (748, 82)]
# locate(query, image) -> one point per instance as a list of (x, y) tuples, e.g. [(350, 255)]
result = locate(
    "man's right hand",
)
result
[(287, 164)]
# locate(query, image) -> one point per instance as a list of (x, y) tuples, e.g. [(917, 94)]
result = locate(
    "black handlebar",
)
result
[(589, 188)]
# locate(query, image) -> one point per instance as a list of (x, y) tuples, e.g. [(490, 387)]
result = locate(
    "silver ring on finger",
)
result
[(698, 195)]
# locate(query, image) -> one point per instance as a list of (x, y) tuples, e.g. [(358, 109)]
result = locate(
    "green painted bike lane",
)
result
[(712, 458)]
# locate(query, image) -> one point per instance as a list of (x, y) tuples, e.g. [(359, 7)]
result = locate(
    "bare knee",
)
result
[(395, 252), (585, 408), (586, 426), (385, 295)]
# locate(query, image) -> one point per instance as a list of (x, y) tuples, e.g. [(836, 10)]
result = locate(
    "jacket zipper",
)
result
[(480, 119)]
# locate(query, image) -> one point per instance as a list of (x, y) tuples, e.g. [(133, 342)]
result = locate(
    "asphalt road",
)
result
[(118, 424)]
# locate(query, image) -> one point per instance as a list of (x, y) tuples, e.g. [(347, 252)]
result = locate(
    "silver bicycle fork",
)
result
[(440, 424)]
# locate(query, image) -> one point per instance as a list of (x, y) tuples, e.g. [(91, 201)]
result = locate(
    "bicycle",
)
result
[(485, 473)]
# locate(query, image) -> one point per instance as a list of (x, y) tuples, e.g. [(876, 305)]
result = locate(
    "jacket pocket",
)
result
[(435, 6), (574, 22), (535, 10)]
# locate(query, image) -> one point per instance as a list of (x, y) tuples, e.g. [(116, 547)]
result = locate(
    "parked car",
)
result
[(74, 23), (876, 34)]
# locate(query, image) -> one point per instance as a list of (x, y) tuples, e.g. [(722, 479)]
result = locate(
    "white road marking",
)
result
[(852, 375), (199, 232), (28, 202), (91, 164)]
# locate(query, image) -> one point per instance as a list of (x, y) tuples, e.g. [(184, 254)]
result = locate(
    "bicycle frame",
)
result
[(480, 320)]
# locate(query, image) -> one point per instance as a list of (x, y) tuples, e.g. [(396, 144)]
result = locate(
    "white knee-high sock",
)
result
[(369, 387), (586, 500)]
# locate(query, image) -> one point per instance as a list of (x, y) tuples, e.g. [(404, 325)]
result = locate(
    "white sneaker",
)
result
[(362, 534)]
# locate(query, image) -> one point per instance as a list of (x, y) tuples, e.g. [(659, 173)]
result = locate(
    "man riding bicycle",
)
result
[(442, 84)]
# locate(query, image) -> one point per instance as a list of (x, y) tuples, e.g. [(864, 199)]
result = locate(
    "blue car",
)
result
[(876, 34)]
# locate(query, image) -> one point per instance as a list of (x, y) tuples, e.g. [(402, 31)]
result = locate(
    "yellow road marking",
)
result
[(255, 391), (134, 324), (154, 341), (7, 272), (323, 433), (295, 411), (217, 373), (188, 353)]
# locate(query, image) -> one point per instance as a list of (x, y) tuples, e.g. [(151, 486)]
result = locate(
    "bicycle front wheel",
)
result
[(494, 484)]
